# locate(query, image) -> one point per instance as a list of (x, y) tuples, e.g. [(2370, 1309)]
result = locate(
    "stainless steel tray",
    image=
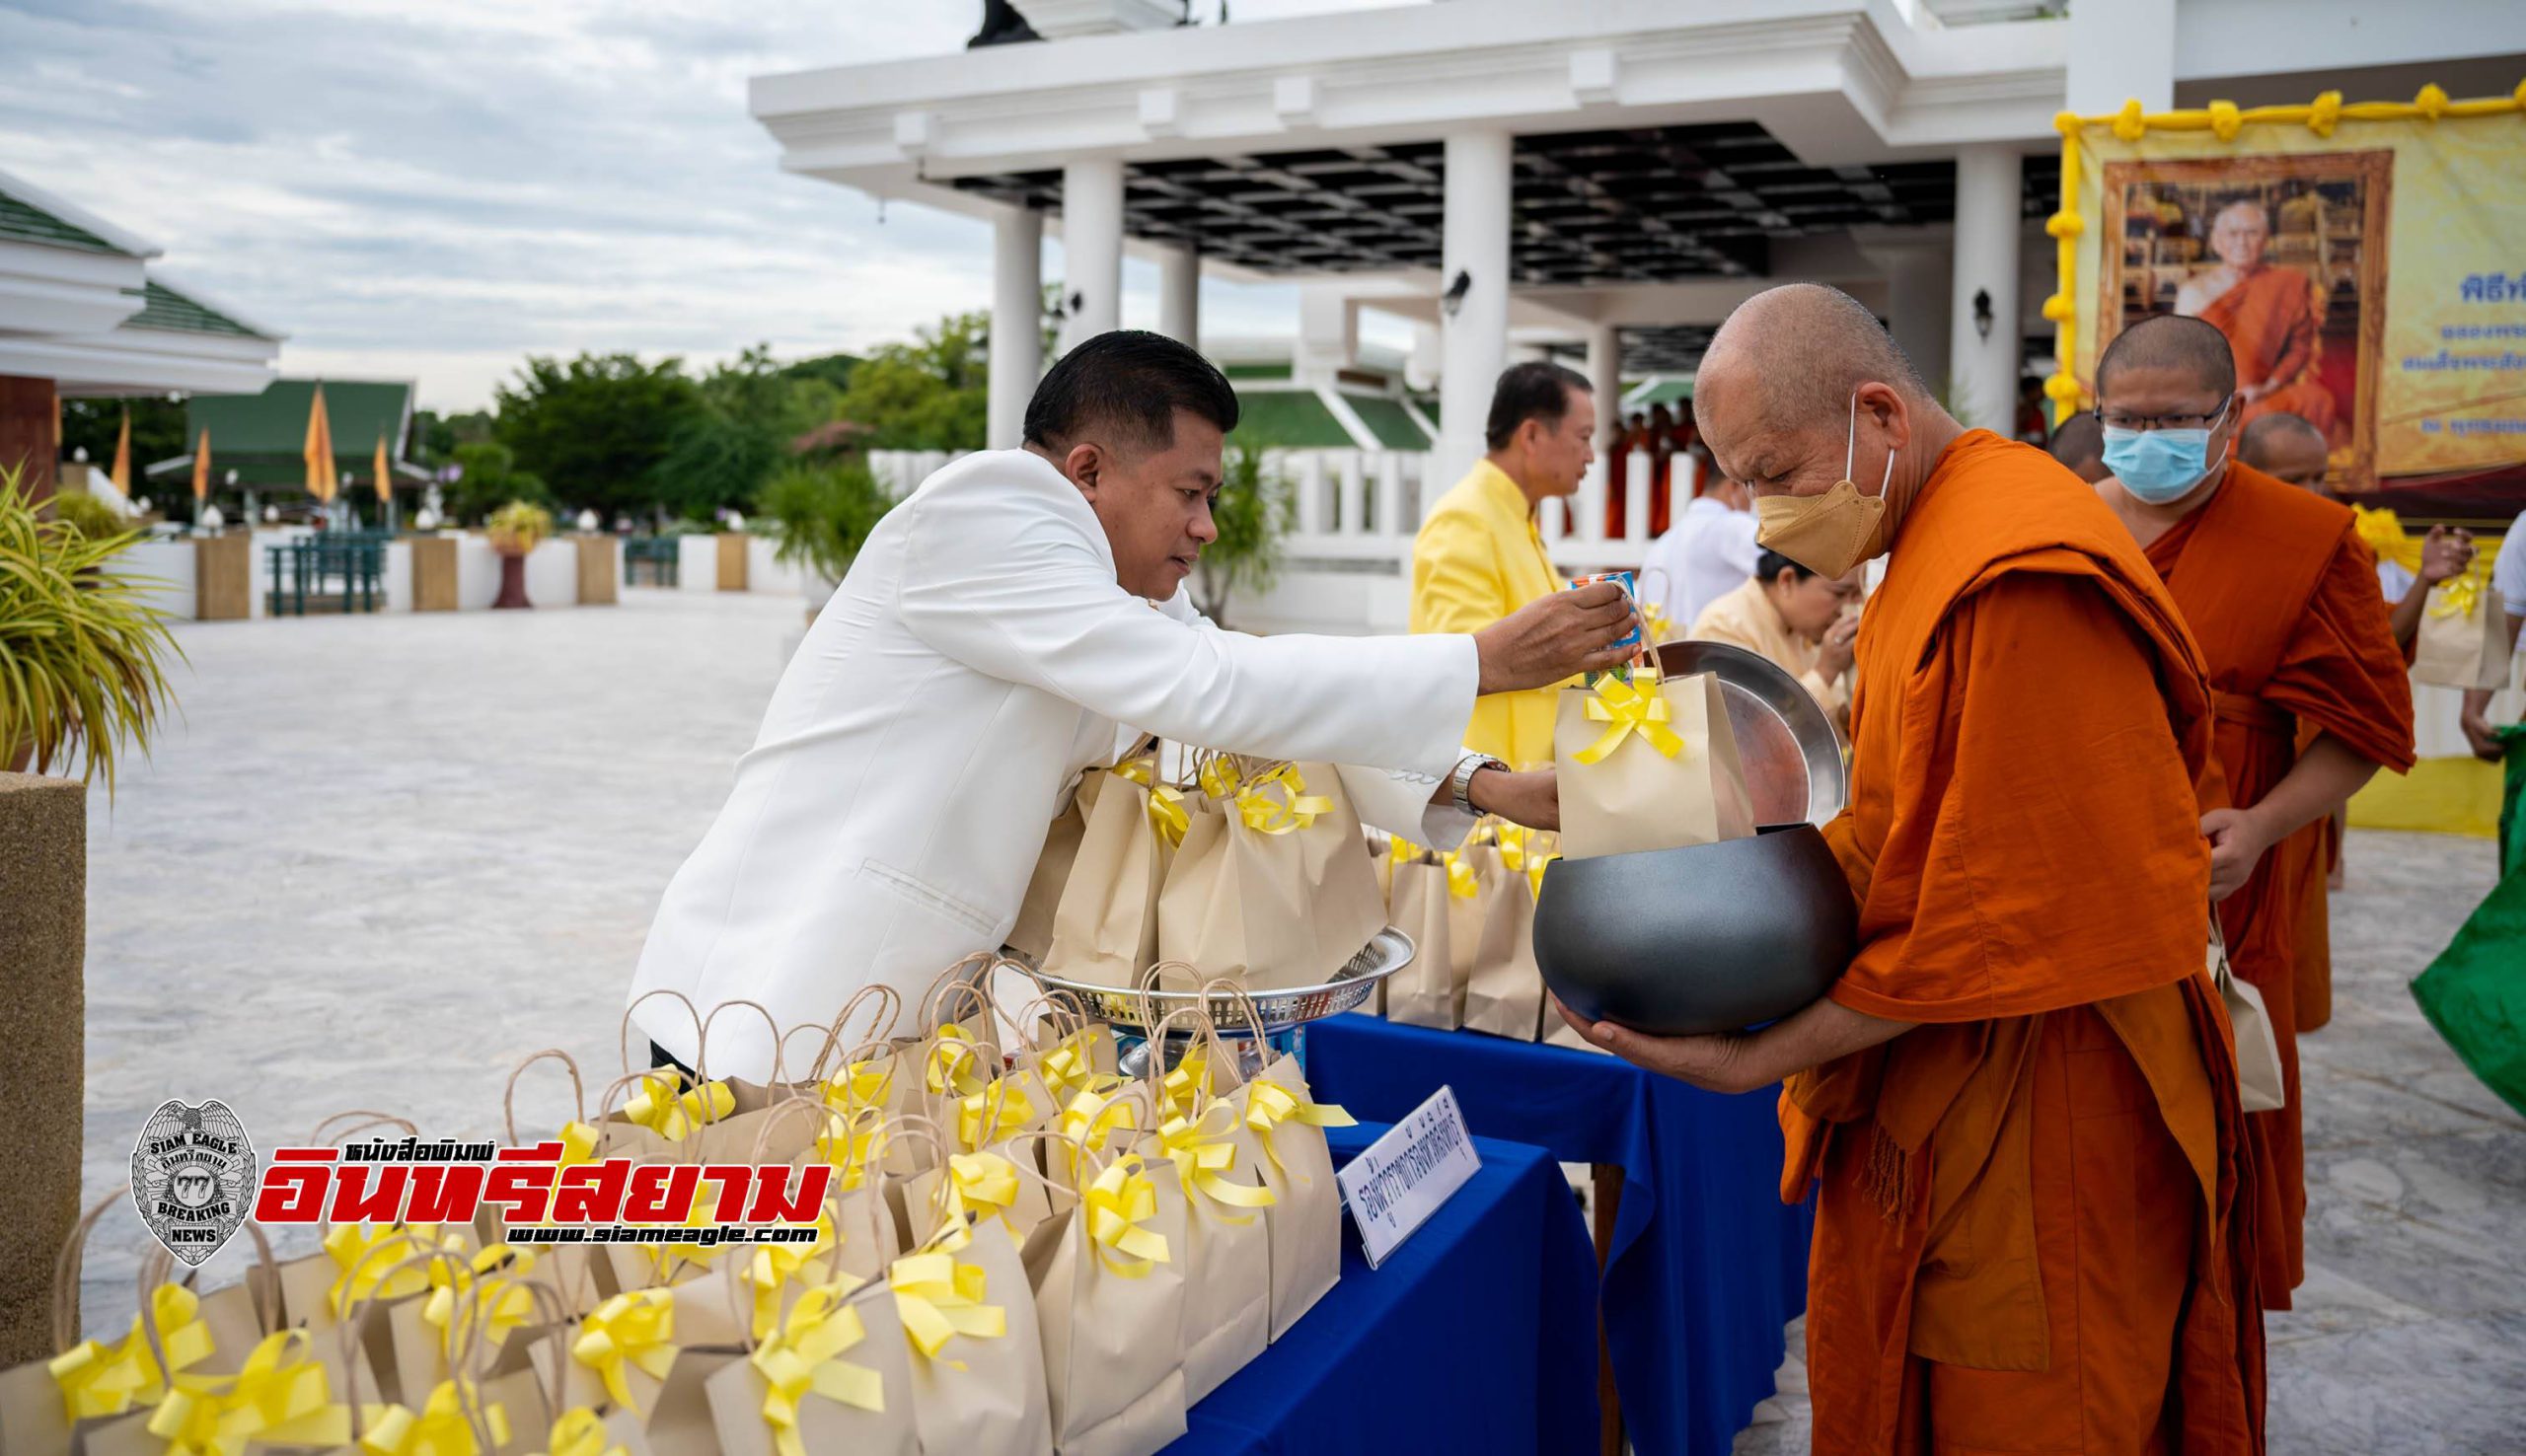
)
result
[(1390, 951), (1791, 751)]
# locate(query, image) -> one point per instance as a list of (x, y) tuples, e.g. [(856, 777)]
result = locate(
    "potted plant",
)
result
[(82, 651), (516, 530), (1252, 512), (821, 515)]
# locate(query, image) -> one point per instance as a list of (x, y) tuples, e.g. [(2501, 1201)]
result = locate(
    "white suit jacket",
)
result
[(978, 656)]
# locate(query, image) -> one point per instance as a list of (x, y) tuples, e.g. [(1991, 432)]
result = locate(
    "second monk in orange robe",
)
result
[(2282, 596), (2018, 1104)]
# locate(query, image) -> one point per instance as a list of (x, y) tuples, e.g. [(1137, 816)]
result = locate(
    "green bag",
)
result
[(2475, 992)]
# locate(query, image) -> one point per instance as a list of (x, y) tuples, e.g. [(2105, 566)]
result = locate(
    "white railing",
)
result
[(1365, 505)]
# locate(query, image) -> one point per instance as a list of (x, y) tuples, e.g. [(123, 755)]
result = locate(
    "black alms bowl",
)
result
[(1709, 938)]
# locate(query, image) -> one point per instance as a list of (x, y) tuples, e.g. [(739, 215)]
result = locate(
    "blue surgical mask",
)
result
[(2160, 465)]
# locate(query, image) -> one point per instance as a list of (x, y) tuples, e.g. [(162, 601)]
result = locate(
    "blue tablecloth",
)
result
[(1707, 1265), (1477, 1336)]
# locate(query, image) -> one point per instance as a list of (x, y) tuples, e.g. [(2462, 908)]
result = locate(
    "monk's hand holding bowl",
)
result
[(1715, 1063), (2237, 841)]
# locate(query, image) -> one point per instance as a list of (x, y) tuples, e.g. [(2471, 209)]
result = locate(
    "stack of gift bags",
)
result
[(1020, 1252), (1248, 868), (1643, 762)]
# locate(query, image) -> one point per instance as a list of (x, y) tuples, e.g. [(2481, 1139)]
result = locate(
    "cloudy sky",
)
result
[(433, 188)]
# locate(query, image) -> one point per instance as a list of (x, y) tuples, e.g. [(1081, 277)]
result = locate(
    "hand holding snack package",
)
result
[(1647, 763), (2464, 633)]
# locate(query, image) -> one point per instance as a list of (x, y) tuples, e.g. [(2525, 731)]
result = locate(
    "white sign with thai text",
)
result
[(1395, 1184)]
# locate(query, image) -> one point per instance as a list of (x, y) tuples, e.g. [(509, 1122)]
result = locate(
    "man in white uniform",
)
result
[(1709, 552), (2508, 578), (1017, 619)]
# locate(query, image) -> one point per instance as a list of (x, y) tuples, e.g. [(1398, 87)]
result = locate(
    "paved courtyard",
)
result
[(382, 859)]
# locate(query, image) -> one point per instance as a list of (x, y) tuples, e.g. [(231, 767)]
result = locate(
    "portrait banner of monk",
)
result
[(2361, 257), (2286, 256)]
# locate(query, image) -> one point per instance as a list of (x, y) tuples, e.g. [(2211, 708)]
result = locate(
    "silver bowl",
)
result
[(1791, 751), (1708, 938), (1388, 952)]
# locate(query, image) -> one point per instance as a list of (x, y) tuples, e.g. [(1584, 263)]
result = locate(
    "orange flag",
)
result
[(385, 490), (322, 482), (123, 456), (201, 468)]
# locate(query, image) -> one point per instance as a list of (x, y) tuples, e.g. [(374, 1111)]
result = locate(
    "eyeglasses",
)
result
[(2116, 419)]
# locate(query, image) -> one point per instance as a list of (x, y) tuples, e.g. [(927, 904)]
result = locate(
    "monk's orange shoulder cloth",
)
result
[(2029, 716)]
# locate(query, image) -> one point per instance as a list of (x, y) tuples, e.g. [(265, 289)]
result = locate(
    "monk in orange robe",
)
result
[(2018, 1105), (2282, 596), (2269, 315)]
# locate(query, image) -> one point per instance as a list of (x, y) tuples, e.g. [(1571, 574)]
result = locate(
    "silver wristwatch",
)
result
[(1460, 783)]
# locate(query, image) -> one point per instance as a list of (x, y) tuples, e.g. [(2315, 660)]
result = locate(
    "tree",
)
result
[(1251, 512), (488, 478), (92, 425), (435, 436), (750, 409), (822, 514), (594, 429), (932, 393)]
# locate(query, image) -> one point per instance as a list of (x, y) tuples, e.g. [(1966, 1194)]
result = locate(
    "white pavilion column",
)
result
[(1180, 295), (1017, 324), (1919, 288), (1605, 381), (1091, 248), (1983, 361), (1474, 338)]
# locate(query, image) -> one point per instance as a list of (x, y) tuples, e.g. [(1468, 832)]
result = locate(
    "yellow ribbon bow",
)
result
[(1627, 710), (364, 1267), (1166, 814), (1186, 1080), (861, 1142), (438, 1428), (673, 1117), (992, 1114), (1069, 1065), (980, 1181), (938, 1298), (1294, 809), (507, 1305), (1219, 778), (99, 1379), (2460, 595), (1462, 883), (1203, 1160), (578, 1143), (772, 1267), (1120, 1200), (578, 1432), (1268, 1105), (860, 1084), (1534, 871), (1137, 771), (279, 1392), (804, 1358), (954, 1061), (631, 1331), (1400, 852)]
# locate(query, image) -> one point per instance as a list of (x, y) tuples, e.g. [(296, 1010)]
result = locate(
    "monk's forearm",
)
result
[(2406, 617), (2327, 772), (1822, 1033)]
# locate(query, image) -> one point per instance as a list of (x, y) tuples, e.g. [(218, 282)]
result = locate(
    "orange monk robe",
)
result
[(2269, 318), (2282, 594), (2025, 1218), (2314, 995)]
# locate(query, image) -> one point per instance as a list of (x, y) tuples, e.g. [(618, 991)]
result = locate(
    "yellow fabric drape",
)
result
[(322, 481), (201, 468), (1478, 558)]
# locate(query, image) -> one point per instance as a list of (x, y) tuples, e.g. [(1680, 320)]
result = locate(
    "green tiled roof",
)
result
[(1255, 371), (1428, 405), (24, 222), (1667, 392), (165, 307), (1387, 419), (274, 422), (1288, 419)]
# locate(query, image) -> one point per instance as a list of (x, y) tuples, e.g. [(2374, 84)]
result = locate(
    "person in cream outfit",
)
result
[(1014, 622)]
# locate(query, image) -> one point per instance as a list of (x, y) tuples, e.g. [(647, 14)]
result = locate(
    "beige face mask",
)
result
[(1831, 533)]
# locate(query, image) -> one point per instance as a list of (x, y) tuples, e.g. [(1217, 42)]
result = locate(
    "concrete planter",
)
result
[(433, 573), (599, 558), (223, 577), (43, 932), (734, 556)]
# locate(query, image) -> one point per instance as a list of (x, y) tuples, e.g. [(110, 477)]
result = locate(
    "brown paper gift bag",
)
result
[(834, 1377), (2260, 1086), (1476, 877), (1108, 1280), (1105, 925), (1032, 935), (572, 1271), (1304, 1221), (1426, 991), (1648, 764), (1273, 884), (1228, 1246), (977, 1357), (2464, 636), (1504, 995)]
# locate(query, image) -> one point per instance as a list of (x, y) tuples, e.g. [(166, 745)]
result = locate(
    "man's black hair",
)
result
[(1534, 390), (1769, 564), (1127, 384)]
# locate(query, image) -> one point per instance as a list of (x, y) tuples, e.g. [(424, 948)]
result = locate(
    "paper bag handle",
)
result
[(508, 1094)]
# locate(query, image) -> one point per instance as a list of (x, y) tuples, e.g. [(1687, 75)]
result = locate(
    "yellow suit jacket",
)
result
[(1478, 558)]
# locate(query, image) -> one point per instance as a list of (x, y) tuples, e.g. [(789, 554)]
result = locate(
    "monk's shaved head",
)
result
[(1806, 347), (2171, 341), (2079, 443), (2287, 448)]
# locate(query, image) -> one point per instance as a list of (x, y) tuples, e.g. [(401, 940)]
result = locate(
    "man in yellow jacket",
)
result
[(1480, 555)]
